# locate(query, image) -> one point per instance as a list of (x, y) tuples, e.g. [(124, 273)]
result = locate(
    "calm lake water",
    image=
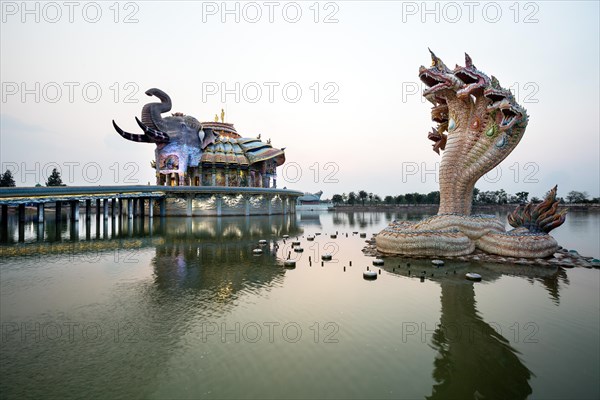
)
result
[(181, 308)]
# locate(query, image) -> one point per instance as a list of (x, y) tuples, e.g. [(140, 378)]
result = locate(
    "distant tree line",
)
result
[(362, 197), (7, 180)]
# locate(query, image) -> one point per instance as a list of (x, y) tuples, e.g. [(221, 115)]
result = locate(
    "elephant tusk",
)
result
[(131, 136), (153, 134)]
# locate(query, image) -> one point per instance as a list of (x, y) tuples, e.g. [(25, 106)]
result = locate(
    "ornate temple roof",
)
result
[(241, 152), (222, 128)]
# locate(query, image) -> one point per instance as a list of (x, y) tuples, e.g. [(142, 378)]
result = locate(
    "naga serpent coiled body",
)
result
[(479, 124)]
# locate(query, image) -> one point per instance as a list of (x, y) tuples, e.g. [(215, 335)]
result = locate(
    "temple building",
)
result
[(232, 161)]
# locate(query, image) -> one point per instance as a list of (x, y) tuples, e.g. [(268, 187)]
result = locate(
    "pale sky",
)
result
[(63, 82)]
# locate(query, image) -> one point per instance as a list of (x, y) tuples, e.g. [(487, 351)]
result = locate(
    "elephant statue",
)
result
[(180, 139)]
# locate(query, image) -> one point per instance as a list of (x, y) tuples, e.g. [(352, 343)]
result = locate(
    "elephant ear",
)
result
[(209, 138)]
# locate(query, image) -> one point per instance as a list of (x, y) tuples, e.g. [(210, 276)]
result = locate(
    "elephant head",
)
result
[(179, 138)]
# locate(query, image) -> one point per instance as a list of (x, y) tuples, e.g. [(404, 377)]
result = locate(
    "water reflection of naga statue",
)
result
[(479, 124), (474, 359)]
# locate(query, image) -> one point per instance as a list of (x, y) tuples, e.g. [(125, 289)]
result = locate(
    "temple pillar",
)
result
[(226, 175), (247, 204), (219, 205), (188, 210), (214, 176), (40, 212)]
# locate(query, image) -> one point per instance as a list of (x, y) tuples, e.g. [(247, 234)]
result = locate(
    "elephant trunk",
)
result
[(151, 113)]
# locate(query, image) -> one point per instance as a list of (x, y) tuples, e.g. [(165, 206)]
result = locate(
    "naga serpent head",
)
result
[(542, 217), (474, 80), (437, 78), (507, 112)]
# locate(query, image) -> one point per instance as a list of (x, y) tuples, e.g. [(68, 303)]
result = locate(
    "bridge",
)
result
[(141, 200)]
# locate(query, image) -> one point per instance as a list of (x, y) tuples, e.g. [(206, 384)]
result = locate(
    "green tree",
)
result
[(6, 180), (475, 196), (577, 197), (363, 196), (337, 199), (351, 198), (54, 179), (389, 199), (400, 199), (501, 196), (522, 197), (433, 198)]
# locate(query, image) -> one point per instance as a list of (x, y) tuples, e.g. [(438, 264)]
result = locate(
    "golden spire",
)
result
[(216, 118), (222, 115)]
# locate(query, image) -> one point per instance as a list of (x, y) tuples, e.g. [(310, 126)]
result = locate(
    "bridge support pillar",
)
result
[(58, 214), (150, 207), (129, 208), (74, 210), (4, 213), (163, 207), (21, 213), (113, 208), (141, 204), (105, 209), (88, 209), (40, 213)]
